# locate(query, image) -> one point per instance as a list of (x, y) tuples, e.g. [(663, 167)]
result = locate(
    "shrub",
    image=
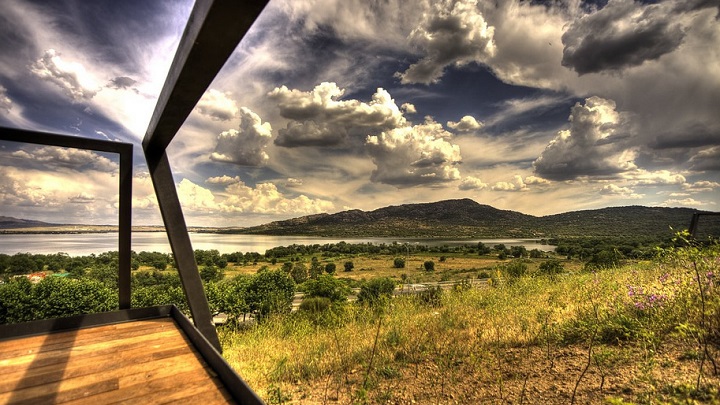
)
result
[(330, 268), (515, 269), (552, 266), (429, 265), (376, 291), (399, 263), (327, 286), (349, 266)]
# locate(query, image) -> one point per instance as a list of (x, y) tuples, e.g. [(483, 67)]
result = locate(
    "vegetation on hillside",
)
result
[(611, 321)]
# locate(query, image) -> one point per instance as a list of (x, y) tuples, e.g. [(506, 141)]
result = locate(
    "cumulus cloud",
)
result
[(265, 198), (413, 155), (223, 180), (701, 186), (71, 77), (685, 202), (534, 180), (472, 183), (615, 190), (409, 108), (621, 34), (591, 147), (453, 33), (517, 184), (217, 105), (77, 159), (649, 178), (293, 182), (466, 124), (320, 118), (5, 102), (246, 146)]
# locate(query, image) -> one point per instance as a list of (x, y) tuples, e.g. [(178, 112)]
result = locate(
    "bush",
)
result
[(552, 266), (399, 263), (429, 265), (432, 297), (376, 291), (330, 268), (327, 286), (349, 266), (515, 269), (315, 305)]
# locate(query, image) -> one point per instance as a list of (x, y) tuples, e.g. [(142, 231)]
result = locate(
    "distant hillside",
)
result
[(16, 223), (466, 218)]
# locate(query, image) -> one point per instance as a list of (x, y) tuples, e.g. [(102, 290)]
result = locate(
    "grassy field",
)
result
[(643, 333)]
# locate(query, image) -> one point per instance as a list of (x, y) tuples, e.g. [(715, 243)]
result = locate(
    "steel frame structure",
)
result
[(125, 151)]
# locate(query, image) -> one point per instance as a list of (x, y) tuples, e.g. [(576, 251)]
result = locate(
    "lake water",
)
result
[(85, 244)]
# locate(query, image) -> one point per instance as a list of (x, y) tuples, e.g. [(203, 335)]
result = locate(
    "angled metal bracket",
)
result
[(214, 30)]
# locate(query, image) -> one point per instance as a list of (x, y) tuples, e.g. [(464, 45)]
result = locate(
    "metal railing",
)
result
[(125, 151)]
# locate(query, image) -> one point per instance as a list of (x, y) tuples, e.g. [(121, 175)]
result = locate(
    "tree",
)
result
[(376, 291), (270, 292), (330, 268), (210, 273), (518, 252), (483, 249), (552, 266), (316, 268), (429, 265), (515, 268), (349, 266), (328, 287), (399, 263), (299, 273)]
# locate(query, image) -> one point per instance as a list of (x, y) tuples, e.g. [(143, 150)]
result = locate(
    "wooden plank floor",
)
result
[(140, 362)]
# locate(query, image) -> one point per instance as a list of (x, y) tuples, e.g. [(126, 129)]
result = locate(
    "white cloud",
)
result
[(472, 183), (409, 156), (685, 202), (217, 105), (245, 147), (614, 190), (293, 182), (71, 77), (590, 147), (533, 180), (701, 186), (466, 124), (5, 102), (517, 184), (408, 108), (320, 118), (452, 33), (660, 177), (76, 159), (223, 180)]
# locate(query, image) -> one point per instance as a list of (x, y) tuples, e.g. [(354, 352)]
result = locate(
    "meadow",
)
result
[(643, 332)]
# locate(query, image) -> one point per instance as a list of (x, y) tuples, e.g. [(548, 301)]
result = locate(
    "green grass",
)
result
[(642, 333)]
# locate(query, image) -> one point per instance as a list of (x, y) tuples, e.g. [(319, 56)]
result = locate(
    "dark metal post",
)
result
[(125, 227), (182, 247), (214, 29)]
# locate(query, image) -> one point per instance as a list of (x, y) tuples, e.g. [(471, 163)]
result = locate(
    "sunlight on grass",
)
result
[(638, 333)]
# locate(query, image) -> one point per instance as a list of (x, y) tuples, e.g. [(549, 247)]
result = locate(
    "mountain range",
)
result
[(465, 218), (461, 218)]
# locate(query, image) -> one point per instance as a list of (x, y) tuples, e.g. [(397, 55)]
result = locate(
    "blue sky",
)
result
[(332, 105)]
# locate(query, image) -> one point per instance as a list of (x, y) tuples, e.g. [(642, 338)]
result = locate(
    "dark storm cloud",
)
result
[(622, 34), (696, 135), (706, 160), (122, 82)]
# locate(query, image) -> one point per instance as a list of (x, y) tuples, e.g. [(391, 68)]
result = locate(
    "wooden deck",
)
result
[(141, 362)]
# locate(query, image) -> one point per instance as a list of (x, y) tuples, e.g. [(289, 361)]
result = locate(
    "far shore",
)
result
[(77, 229)]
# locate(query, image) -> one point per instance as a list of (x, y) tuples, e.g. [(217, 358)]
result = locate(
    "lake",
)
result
[(85, 244)]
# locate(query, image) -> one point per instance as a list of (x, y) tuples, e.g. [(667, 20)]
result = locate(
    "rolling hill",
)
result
[(465, 218)]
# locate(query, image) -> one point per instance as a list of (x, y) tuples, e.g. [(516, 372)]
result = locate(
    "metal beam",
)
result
[(125, 150), (214, 30), (182, 247), (695, 221)]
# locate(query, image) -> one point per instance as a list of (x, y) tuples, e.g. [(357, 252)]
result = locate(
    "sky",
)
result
[(331, 105)]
